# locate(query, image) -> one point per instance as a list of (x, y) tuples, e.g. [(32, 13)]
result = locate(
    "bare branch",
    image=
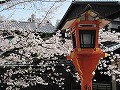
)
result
[(14, 4), (4, 1)]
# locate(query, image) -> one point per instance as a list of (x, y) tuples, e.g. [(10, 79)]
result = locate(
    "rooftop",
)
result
[(106, 9), (32, 26)]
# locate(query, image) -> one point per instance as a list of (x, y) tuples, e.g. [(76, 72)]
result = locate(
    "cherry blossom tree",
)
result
[(25, 47), (110, 64), (20, 49)]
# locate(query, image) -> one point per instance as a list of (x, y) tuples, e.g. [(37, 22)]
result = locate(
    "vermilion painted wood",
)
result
[(85, 59)]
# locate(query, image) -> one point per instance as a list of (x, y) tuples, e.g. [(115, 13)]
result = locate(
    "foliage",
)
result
[(44, 72), (20, 47), (19, 50), (110, 64)]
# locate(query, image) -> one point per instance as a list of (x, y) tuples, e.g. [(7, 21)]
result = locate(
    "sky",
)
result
[(21, 14)]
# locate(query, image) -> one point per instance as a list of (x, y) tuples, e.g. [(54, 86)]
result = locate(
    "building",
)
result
[(47, 28), (102, 7), (32, 24), (115, 25)]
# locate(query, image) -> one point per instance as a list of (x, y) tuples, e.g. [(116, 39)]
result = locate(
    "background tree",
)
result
[(27, 58), (24, 47)]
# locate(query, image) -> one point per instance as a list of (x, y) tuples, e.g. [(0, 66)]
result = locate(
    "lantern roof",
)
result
[(93, 14)]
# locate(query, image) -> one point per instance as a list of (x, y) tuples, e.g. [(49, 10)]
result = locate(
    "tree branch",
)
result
[(15, 5)]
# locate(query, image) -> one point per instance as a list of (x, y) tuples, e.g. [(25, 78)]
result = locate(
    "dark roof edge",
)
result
[(58, 27), (96, 2), (85, 2)]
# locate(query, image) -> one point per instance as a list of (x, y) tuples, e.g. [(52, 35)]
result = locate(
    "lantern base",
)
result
[(86, 63)]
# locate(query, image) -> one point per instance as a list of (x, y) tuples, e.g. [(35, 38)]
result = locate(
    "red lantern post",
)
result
[(86, 53)]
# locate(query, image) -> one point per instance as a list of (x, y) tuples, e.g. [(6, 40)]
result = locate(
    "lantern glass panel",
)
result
[(74, 40), (87, 38)]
